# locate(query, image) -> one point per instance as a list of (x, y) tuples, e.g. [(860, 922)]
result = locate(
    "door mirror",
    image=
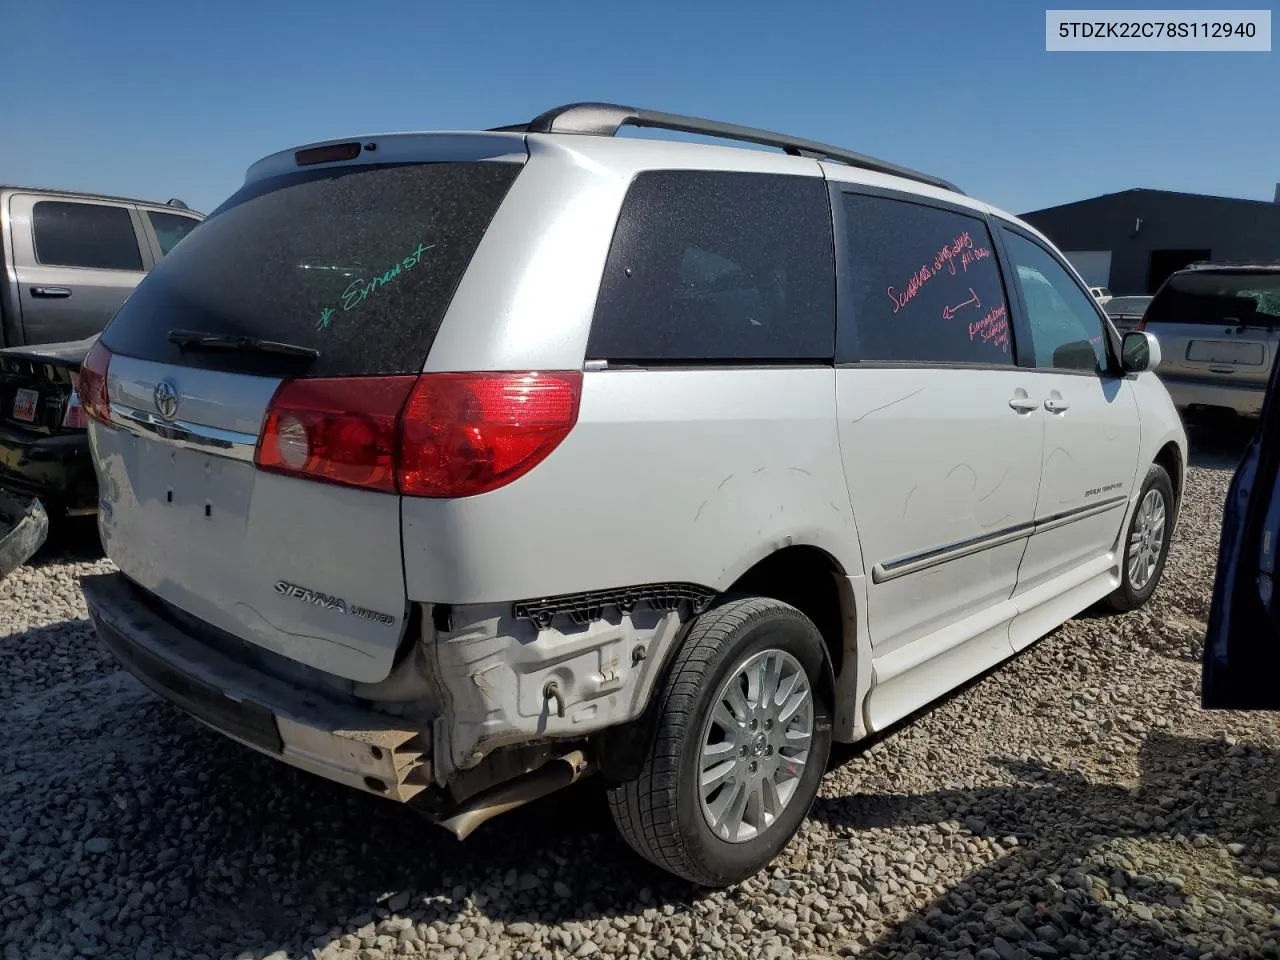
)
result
[(1139, 351)]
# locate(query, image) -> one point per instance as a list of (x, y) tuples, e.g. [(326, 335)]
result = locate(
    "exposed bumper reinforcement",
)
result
[(340, 741)]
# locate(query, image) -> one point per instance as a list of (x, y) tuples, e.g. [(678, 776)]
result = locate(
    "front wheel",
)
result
[(1146, 542), (743, 737)]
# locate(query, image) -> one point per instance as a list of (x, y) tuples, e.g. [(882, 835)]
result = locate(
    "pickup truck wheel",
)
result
[(1146, 542), (742, 739)]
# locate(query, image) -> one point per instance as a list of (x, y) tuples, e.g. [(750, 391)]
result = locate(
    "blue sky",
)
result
[(160, 99)]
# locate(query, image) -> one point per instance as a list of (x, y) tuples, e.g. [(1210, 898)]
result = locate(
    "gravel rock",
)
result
[(1075, 803)]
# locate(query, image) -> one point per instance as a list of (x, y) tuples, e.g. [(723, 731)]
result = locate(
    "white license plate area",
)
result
[(1244, 352)]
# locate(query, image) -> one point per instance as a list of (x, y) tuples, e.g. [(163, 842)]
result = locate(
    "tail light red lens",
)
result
[(435, 435), (93, 383), (73, 417), (341, 430), (467, 433)]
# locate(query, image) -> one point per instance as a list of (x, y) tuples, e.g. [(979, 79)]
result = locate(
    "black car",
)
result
[(1242, 649), (45, 466)]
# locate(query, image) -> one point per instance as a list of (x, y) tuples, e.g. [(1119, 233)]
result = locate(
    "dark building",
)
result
[(1130, 242)]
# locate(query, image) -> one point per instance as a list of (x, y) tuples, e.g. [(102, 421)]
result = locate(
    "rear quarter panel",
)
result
[(689, 474), (669, 475)]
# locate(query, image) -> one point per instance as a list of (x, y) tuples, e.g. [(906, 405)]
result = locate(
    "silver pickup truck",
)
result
[(70, 260)]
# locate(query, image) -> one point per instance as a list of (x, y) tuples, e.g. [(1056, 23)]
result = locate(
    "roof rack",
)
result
[(605, 119), (1259, 264)]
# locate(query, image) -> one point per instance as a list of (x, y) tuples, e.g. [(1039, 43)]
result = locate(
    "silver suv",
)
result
[(1218, 324), (456, 466)]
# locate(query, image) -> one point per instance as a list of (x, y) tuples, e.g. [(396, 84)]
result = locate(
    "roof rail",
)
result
[(605, 119), (1261, 264)]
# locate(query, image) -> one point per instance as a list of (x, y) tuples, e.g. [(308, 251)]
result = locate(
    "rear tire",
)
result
[(1146, 542), (732, 772)]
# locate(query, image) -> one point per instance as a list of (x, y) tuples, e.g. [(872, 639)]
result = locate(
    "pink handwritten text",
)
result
[(992, 328), (973, 301), (973, 256), (961, 248)]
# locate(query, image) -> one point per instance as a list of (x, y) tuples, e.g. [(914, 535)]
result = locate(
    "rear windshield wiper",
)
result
[(197, 340)]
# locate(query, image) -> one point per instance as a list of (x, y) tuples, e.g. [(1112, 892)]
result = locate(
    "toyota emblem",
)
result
[(167, 399)]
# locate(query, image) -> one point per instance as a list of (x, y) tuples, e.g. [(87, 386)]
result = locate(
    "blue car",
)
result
[(1242, 649)]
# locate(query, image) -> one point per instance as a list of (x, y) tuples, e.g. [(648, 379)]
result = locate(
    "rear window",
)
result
[(358, 263), (1228, 299), (712, 267)]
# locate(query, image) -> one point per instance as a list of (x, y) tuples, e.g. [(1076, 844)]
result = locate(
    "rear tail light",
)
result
[(93, 383), (342, 430), (73, 416), (468, 433), (435, 435)]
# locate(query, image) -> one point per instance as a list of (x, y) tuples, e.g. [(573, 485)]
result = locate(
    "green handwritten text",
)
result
[(359, 290)]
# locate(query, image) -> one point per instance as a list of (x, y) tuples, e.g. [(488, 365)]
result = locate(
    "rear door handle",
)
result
[(1056, 406), (52, 293), (1023, 404)]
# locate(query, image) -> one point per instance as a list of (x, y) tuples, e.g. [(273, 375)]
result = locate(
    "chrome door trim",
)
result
[(923, 560)]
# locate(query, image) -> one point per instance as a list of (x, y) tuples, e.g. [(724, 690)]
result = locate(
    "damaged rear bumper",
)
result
[(324, 735), (24, 526)]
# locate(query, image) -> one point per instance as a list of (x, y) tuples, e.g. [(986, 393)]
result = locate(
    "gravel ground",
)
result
[(1074, 803)]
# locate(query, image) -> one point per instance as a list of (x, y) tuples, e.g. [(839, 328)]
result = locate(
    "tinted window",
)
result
[(1228, 299), (170, 228), (1066, 331), (85, 235), (359, 263), (710, 266), (923, 285)]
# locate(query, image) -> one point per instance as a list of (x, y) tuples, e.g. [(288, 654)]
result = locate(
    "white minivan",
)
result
[(457, 466)]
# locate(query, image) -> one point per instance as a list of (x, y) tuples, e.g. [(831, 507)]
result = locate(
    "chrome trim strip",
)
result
[(915, 562), (191, 436), (1079, 513)]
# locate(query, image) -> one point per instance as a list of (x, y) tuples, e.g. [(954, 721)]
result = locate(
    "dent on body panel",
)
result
[(777, 507), (968, 481), (969, 485)]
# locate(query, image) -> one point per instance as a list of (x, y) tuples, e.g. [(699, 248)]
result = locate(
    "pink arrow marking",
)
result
[(949, 312)]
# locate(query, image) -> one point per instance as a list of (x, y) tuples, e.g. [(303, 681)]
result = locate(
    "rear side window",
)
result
[(923, 286), (1229, 299), (359, 263), (170, 228), (718, 267), (92, 235)]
